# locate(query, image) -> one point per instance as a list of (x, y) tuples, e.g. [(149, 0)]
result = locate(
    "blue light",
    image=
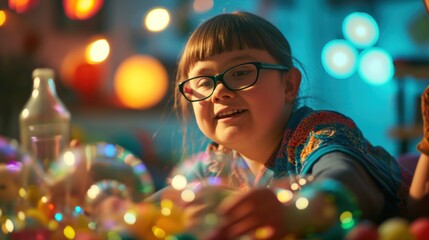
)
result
[(376, 66), (360, 29), (58, 217), (109, 150), (78, 210), (339, 58)]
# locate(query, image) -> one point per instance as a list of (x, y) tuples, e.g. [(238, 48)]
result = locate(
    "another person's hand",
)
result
[(423, 146)]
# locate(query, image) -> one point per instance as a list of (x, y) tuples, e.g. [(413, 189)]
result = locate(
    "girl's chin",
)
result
[(226, 139)]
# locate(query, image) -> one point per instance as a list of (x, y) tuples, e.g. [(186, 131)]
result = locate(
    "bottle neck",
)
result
[(44, 85)]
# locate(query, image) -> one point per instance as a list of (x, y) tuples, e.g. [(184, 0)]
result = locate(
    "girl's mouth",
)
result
[(229, 113)]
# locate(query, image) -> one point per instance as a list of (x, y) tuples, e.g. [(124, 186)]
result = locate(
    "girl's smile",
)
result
[(229, 113)]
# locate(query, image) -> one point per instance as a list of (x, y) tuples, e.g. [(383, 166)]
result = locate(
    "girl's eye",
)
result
[(240, 73), (204, 82)]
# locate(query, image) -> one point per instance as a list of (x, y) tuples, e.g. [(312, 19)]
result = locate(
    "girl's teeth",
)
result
[(227, 113)]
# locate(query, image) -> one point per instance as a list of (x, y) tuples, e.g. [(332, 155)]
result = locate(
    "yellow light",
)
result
[(264, 232), (97, 51), (93, 192), (346, 216), (302, 181), (81, 9), (21, 215), (8, 226), (179, 182), (301, 203), (140, 82), (294, 186), (130, 217), (84, 6), (166, 211), (158, 232), (167, 203), (188, 195), (22, 192), (284, 195), (69, 232), (3, 17), (157, 19), (69, 159)]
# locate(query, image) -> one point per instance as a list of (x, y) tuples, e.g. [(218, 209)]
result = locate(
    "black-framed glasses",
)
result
[(235, 79)]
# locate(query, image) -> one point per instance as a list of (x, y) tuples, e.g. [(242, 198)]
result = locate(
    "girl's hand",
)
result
[(258, 214), (199, 213), (423, 146)]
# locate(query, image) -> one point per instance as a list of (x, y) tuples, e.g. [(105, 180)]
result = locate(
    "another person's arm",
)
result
[(419, 189)]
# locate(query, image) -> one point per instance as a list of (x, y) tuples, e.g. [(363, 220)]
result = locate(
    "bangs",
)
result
[(223, 34)]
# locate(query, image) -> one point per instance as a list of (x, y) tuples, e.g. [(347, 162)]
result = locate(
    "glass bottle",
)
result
[(44, 120)]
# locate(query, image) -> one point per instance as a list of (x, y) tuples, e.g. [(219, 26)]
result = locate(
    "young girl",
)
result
[(237, 76), (419, 191)]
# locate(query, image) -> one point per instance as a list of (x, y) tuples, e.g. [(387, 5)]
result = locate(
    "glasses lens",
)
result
[(198, 88), (241, 76)]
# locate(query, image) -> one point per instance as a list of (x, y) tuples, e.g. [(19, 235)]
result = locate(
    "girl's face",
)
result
[(253, 117)]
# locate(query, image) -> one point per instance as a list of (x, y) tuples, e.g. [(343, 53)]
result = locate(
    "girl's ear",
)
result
[(292, 83)]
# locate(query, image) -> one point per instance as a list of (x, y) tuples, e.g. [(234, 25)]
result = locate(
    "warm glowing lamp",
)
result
[(81, 9), (157, 19), (376, 66), (339, 58), (81, 75), (140, 82), (3, 17), (21, 6), (360, 29), (69, 64)]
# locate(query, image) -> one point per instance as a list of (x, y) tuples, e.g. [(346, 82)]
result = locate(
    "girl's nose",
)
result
[(221, 93)]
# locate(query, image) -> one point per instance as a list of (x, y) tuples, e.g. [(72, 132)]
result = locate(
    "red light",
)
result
[(21, 6)]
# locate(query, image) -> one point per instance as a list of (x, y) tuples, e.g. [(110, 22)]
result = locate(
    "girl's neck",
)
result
[(256, 160)]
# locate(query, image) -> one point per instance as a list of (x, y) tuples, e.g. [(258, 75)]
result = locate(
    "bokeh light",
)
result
[(284, 195), (179, 182), (157, 19), (21, 6), (302, 203), (360, 29), (3, 18), (376, 66), (202, 5), (97, 51), (83, 75), (140, 82), (81, 9), (68, 66), (339, 58), (188, 195)]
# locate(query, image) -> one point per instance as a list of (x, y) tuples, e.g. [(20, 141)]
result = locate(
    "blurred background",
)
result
[(115, 63)]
